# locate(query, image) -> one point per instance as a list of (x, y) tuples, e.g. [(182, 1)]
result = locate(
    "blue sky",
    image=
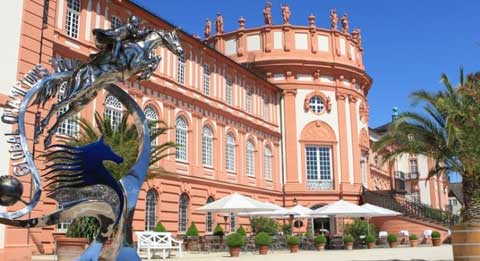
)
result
[(407, 44)]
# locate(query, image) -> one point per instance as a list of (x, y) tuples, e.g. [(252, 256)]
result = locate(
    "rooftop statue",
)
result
[(208, 28), (333, 20), (345, 23), (267, 13), (285, 13), (356, 36), (219, 24)]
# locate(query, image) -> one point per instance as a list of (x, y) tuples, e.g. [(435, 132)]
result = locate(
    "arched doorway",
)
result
[(320, 225)]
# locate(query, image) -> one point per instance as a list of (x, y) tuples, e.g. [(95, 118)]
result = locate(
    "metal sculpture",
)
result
[(76, 177)]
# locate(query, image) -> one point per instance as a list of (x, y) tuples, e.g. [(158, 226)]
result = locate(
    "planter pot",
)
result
[(414, 243), (263, 250), (436, 241), (234, 251), (393, 244), (465, 240), (348, 246), (293, 248), (69, 248), (371, 245), (320, 247)]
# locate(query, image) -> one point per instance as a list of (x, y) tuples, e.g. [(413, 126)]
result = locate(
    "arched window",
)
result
[(116, 22), (181, 137), (230, 153), (207, 146), (233, 222), (151, 210), (151, 116), (250, 159), (183, 213), (113, 111), (209, 218), (69, 126), (267, 163), (73, 18)]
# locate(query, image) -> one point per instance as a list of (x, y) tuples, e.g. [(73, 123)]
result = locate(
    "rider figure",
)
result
[(114, 38)]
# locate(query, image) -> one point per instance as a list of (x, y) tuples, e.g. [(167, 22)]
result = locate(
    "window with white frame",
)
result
[(183, 213), (73, 18), (413, 167), (319, 163), (248, 101), (116, 22), (152, 117), (250, 159), (267, 163), (209, 218), (228, 91), (233, 222), (316, 104), (230, 153), (63, 227), (206, 79), (151, 210), (266, 111), (69, 126), (181, 139), (113, 111), (181, 69), (207, 146), (363, 168)]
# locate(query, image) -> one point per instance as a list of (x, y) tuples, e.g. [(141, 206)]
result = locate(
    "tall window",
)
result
[(250, 159), (181, 70), (183, 213), (248, 101), (151, 210), (116, 22), (266, 111), (363, 168), (319, 163), (233, 222), (230, 153), (69, 126), (73, 18), (228, 91), (209, 218), (181, 139), (113, 111), (207, 146), (267, 163), (413, 166), (206, 79), (151, 116)]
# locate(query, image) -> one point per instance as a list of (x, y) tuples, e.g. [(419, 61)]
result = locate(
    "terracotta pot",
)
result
[(320, 246), (348, 246), (371, 245), (414, 243), (393, 244), (436, 241), (293, 248), (263, 250), (465, 241), (69, 248), (234, 251)]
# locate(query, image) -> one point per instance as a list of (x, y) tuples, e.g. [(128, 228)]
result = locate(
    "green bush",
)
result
[(242, 231), (287, 229), (192, 231), (413, 237), (321, 239), (391, 238), (235, 240), (308, 234), (293, 240), (160, 228), (84, 227), (436, 234), (264, 224), (263, 239), (370, 239), (218, 231), (348, 239), (360, 228)]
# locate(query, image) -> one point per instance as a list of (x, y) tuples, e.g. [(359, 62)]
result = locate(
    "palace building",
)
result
[(277, 112)]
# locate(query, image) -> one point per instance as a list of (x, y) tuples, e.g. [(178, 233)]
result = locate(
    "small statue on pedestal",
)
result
[(208, 28), (219, 24), (333, 19), (286, 13), (345, 24), (267, 13)]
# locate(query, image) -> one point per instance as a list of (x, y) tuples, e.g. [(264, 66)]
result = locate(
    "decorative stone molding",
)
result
[(326, 100), (352, 98), (340, 96), (317, 131)]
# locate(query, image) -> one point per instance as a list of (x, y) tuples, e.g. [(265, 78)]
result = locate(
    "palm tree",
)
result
[(447, 130), (123, 140)]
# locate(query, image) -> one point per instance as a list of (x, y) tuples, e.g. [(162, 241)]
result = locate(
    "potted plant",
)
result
[(191, 241), (160, 228), (370, 240), (242, 231), (293, 242), (286, 229), (320, 242), (79, 234), (348, 242), (234, 242), (413, 240), (263, 240), (218, 231), (392, 240), (436, 238)]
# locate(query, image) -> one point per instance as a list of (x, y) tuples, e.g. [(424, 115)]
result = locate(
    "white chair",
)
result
[(404, 234), (163, 241)]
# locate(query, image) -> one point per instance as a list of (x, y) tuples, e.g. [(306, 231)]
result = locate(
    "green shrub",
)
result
[(360, 228), (235, 240), (413, 237), (348, 239), (263, 239), (287, 229), (293, 240), (160, 228), (436, 234), (242, 231), (264, 224), (391, 238), (192, 231), (370, 239), (218, 231), (308, 234), (84, 227), (321, 239)]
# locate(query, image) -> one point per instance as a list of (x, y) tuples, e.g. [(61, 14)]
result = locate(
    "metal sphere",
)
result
[(11, 189)]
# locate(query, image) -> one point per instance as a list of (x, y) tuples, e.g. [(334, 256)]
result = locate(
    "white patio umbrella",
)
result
[(379, 211), (343, 208), (236, 203), (277, 212)]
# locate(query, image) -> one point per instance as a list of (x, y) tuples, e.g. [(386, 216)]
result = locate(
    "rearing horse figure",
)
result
[(86, 80)]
